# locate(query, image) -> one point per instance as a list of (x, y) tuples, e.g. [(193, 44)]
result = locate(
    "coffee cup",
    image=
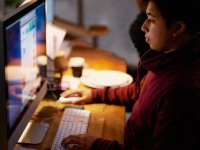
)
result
[(42, 64), (77, 64), (59, 61)]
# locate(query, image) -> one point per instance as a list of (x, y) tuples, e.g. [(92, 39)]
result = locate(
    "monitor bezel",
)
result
[(7, 142)]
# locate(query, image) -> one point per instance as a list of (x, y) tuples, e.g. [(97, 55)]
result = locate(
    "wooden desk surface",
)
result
[(106, 121), (101, 121)]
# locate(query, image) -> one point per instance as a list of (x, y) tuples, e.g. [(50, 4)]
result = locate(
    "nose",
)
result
[(144, 27)]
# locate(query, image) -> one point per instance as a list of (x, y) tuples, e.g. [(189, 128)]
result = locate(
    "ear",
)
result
[(179, 27)]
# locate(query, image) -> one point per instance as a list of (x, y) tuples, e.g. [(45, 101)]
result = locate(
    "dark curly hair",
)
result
[(187, 11)]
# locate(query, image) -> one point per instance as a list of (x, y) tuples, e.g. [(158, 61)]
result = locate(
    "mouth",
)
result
[(146, 39)]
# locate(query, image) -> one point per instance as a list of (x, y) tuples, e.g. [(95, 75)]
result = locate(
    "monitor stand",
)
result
[(34, 133)]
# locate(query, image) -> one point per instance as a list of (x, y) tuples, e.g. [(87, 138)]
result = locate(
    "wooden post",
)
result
[(80, 12)]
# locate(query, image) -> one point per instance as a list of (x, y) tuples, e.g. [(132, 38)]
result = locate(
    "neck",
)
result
[(179, 42)]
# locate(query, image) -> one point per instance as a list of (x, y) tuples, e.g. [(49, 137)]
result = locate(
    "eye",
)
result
[(150, 19)]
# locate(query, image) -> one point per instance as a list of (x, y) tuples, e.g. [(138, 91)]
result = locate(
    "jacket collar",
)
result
[(158, 62)]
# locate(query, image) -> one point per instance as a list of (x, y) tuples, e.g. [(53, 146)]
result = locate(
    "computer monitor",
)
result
[(22, 41)]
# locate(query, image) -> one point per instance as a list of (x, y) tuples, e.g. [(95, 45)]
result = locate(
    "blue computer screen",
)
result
[(25, 42)]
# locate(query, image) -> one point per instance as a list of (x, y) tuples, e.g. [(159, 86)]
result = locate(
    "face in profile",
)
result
[(157, 34)]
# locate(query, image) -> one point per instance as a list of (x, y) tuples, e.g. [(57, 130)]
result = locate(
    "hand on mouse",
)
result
[(83, 95)]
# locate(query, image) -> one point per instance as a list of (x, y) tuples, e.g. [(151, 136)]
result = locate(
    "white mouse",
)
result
[(67, 99)]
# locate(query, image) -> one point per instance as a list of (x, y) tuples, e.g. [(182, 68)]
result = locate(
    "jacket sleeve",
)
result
[(102, 144), (119, 96)]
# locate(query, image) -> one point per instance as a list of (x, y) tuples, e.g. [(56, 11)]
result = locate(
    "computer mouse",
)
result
[(67, 99)]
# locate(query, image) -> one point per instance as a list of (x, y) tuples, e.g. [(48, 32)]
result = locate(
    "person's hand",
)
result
[(84, 95), (78, 142)]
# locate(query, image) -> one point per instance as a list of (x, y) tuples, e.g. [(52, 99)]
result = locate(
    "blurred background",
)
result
[(117, 15)]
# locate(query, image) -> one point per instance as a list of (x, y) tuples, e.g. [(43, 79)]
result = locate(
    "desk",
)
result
[(100, 125), (102, 115)]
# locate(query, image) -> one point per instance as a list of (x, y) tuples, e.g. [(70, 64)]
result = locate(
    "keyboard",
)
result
[(73, 122)]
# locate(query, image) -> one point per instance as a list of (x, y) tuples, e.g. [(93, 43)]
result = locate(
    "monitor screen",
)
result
[(23, 41)]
